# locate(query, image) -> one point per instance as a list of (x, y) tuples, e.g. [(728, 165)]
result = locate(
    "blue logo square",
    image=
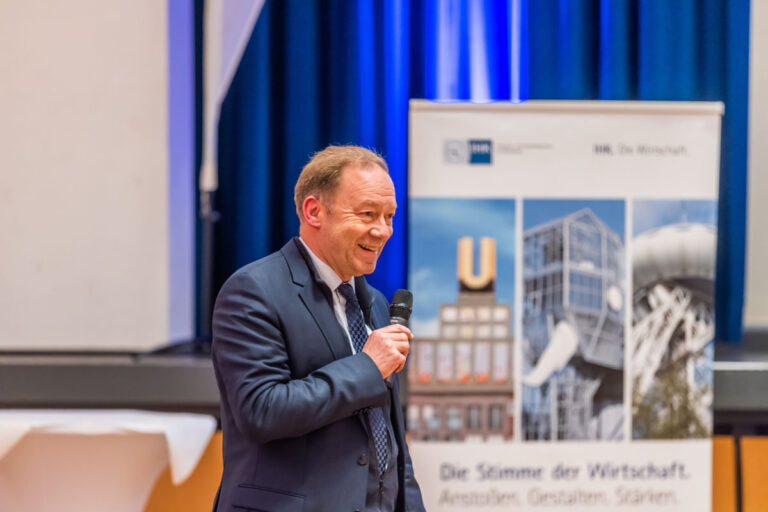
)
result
[(480, 151)]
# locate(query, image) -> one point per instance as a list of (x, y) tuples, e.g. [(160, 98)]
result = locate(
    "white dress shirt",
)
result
[(332, 280)]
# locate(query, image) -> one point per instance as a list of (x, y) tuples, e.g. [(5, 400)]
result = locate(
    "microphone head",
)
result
[(402, 304)]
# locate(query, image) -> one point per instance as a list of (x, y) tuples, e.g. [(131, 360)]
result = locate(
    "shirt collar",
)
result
[(324, 271)]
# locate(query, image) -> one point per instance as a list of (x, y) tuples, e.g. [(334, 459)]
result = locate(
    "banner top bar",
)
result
[(580, 106)]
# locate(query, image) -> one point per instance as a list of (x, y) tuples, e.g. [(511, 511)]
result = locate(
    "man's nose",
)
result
[(381, 228)]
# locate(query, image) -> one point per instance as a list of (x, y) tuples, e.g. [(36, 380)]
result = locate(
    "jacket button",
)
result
[(362, 459)]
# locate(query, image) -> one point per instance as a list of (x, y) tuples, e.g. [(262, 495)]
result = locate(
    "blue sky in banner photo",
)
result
[(651, 214), (435, 226), (539, 211)]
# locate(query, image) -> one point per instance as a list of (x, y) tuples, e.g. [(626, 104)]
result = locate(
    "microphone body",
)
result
[(398, 320), (399, 313)]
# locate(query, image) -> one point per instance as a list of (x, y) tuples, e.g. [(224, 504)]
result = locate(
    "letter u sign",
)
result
[(465, 263)]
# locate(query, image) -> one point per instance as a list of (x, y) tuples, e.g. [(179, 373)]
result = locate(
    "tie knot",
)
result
[(346, 291)]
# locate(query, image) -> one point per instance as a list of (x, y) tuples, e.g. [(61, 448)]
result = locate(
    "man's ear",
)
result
[(314, 211)]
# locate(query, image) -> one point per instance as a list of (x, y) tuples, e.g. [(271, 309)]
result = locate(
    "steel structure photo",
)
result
[(573, 329)]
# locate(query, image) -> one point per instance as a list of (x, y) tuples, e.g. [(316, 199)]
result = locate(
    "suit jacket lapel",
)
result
[(316, 297)]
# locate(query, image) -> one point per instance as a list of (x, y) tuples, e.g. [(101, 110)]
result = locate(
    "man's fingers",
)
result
[(391, 335), (393, 328), (389, 347), (402, 346)]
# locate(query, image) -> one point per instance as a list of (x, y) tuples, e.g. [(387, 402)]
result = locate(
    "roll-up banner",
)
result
[(562, 259)]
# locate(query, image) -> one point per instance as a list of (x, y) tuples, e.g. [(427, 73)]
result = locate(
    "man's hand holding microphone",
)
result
[(389, 346)]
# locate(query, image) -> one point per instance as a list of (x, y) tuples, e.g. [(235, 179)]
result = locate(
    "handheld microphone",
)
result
[(400, 308), (400, 313)]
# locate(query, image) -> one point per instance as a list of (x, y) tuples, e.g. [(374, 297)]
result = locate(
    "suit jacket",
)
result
[(293, 395)]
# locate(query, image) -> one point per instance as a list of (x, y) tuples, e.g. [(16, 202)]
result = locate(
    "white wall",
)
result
[(756, 302), (83, 180)]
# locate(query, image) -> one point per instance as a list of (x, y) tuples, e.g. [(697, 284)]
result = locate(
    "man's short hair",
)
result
[(321, 175)]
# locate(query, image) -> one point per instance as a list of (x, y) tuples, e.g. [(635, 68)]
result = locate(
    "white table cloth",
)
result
[(83, 460)]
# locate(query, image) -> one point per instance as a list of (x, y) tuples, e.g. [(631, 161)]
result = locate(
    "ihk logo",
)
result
[(480, 151), (473, 151), (602, 149)]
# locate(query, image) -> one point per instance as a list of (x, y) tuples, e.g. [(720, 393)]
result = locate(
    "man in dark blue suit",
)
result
[(306, 360)]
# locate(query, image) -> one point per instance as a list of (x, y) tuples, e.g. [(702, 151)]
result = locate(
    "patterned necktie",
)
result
[(359, 335)]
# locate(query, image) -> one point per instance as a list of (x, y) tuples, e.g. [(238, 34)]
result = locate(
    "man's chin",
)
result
[(365, 268)]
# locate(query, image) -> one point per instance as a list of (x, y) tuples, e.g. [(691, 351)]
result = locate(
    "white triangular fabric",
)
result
[(187, 435), (228, 27)]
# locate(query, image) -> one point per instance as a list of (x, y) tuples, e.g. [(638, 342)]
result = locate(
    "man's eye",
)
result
[(368, 214)]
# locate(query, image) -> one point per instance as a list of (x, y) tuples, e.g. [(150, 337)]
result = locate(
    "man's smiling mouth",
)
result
[(370, 248)]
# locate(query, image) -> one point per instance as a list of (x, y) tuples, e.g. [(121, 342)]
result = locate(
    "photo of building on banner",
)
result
[(460, 372), (673, 270), (573, 320)]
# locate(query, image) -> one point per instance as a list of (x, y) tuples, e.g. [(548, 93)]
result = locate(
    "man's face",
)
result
[(358, 221)]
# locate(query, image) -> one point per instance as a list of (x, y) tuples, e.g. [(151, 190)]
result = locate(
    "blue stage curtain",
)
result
[(342, 71), (685, 50)]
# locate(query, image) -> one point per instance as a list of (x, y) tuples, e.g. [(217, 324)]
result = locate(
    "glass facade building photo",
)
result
[(573, 327)]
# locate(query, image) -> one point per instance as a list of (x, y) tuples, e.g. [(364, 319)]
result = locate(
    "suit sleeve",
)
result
[(251, 359)]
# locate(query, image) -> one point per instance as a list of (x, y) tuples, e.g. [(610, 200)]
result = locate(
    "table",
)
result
[(94, 460)]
